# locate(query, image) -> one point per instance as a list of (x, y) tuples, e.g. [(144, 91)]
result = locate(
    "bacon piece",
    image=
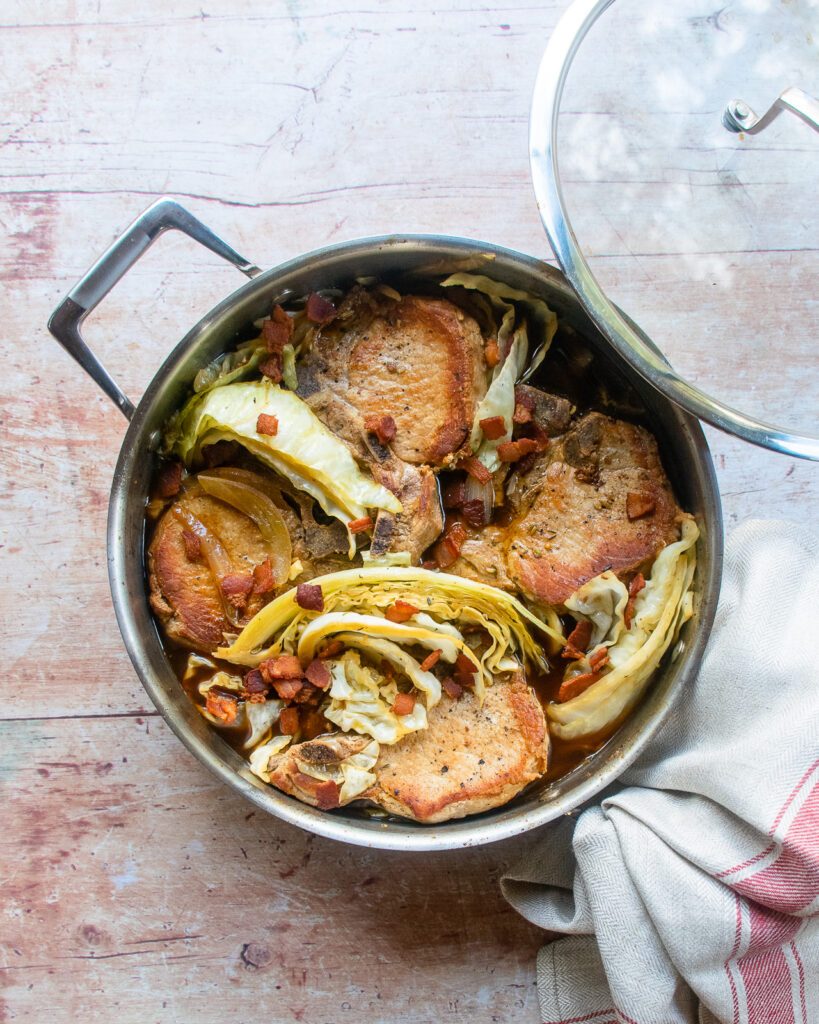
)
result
[(331, 649), (263, 581), (289, 721), (313, 724), (492, 353), (401, 611), (465, 671), (599, 659), (511, 451), (308, 694), (267, 424), (360, 525), (476, 469), (193, 546), (222, 706), (281, 666), (404, 704), (576, 685), (447, 549), (310, 597), (634, 589), (429, 563), (382, 426), (318, 674), (320, 310), (639, 505), (523, 414), (451, 688), (169, 479), (474, 512), (255, 682), (454, 494), (278, 330), (431, 659), (273, 368), (493, 427), (287, 689), (325, 793), (237, 587), (578, 640)]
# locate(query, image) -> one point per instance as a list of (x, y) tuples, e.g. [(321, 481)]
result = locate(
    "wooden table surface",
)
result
[(135, 887)]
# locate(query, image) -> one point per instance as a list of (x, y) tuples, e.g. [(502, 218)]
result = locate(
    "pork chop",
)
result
[(419, 360), (469, 759), (597, 499)]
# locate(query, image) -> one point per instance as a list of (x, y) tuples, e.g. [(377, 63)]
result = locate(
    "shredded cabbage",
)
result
[(303, 450), (261, 718), (660, 609), (361, 701), (603, 602), (499, 399), (354, 773), (260, 758)]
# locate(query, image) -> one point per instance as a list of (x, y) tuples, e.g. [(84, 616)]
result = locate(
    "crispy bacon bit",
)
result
[(289, 721), (456, 535), (578, 640), (474, 513), (193, 546), (493, 427), (222, 706), (401, 611), (475, 469), (278, 330), (539, 436), (267, 424), (431, 659), (287, 689), (525, 464), (325, 793), (313, 724), (404, 704), (237, 587), (454, 494), (576, 685), (360, 525), (634, 589), (387, 669), (308, 694), (447, 549), (382, 426), (451, 688), (220, 453), (523, 414), (492, 353), (429, 563), (465, 671), (318, 674), (273, 368), (310, 597), (255, 682), (320, 310), (169, 479), (511, 451), (599, 659), (263, 581), (331, 649), (282, 666), (639, 505)]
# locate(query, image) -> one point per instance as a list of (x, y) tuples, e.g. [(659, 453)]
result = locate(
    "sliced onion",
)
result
[(246, 496), (215, 555), (474, 490)]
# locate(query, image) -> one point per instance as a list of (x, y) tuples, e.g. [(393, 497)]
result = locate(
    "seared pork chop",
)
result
[(420, 361), (183, 593), (597, 499), (469, 759)]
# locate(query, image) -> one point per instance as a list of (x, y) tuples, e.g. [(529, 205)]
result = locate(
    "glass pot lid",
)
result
[(676, 173)]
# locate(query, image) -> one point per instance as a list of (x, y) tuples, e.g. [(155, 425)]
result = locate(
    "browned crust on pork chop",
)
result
[(183, 593), (471, 758), (421, 361), (574, 521)]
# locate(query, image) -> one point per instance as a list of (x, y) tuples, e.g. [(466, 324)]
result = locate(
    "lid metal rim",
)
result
[(543, 154)]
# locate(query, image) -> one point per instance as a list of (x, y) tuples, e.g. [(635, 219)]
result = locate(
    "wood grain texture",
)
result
[(135, 887)]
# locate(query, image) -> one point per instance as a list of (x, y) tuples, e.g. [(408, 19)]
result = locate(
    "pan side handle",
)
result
[(66, 321)]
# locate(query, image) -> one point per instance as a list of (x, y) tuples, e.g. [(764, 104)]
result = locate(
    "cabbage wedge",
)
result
[(514, 325), (660, 609), (303, 450)]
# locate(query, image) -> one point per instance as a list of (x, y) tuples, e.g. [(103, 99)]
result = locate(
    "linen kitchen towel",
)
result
[(692, 894)]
